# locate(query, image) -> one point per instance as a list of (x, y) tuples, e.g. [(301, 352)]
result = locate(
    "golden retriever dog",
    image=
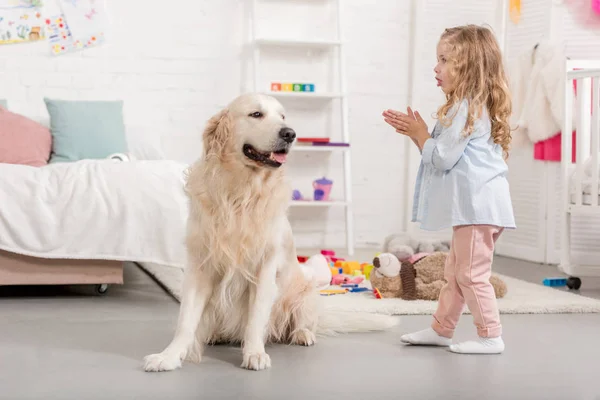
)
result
[(243, 283)]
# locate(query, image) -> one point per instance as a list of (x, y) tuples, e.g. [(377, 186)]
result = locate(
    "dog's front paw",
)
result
[(256, 361), (161, 362), (304, 337)]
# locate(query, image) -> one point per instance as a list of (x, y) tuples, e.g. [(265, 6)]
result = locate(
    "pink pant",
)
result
[(467, 272)]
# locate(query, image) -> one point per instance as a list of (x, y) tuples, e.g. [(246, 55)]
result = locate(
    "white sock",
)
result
[(426, 337), (479, 346)]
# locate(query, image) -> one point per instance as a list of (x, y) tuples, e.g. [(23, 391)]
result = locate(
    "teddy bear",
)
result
[(422, 280), (404, 247)]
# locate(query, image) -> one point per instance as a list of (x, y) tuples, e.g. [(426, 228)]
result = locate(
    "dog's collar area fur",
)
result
[(263, 158)]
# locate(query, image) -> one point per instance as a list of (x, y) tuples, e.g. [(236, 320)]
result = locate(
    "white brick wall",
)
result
[(176, 66)]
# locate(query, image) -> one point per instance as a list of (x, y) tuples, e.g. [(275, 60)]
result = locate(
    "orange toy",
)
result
[(376, 293), (350, 267)]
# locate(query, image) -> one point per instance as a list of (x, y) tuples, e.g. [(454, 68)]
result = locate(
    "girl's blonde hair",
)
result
[(475, 62)]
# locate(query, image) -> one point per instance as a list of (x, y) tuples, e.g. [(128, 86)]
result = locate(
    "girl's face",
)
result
[(442, 69)]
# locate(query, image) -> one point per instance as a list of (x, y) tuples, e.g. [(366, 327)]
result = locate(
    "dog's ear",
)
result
[(217, 132)]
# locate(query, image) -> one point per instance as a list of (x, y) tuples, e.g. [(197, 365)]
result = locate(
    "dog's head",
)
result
[(252, 126)]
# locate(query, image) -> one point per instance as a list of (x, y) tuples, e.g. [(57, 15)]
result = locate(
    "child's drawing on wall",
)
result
[(81, 25), (21, 21)]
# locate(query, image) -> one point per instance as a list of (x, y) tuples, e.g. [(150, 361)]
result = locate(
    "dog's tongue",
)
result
[(279, 157)]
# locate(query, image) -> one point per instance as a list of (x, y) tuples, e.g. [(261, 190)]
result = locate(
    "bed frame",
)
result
[(17, 269), (580, 192)]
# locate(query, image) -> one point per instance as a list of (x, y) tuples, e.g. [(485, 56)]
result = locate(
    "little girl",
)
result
[(462, 182)]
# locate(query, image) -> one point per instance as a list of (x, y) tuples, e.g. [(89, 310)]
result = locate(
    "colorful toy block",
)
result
[(292, 87), (555, 281), (308, 87), (330, 292), (350, 267), (367, 269), (357, 272), (358, 289)]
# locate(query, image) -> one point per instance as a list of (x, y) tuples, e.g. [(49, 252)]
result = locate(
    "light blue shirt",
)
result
[(462, 180)]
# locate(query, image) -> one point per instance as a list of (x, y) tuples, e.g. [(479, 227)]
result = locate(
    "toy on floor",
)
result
[(555, 282), (316, 267), (327, 269), (330, 255), (403, 246), (330, 292), (385, 278), (571, 282), (343, 279), (358, 289), (421, 280), (350, 269)]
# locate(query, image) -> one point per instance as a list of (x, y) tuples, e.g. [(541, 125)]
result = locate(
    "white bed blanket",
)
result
[(95, 209)]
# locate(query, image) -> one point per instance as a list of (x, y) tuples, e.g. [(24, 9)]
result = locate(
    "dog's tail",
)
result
[(332, 322)]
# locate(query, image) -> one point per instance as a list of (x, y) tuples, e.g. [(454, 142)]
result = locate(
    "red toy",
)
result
[(330, 256), (377, 293), (344, 279)]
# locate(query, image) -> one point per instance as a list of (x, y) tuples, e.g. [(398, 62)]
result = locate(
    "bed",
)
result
[(77, 223), (581, 178)]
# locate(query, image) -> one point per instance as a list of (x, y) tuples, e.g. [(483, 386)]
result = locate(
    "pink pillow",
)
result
[(23, 141)]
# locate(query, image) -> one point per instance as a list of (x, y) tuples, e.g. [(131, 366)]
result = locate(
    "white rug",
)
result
[(522, 298)]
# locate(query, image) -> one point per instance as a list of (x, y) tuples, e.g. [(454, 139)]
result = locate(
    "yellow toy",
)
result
[(350, 266), (330, 292), (367, 270)]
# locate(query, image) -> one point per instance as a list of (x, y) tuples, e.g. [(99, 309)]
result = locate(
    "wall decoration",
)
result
[(585, 12), (81, 24), (21, 21), (514, 10)]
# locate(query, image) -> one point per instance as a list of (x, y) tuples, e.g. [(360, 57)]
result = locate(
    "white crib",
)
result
[(580, 180)]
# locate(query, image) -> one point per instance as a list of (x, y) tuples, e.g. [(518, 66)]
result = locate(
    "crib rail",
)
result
[(586, 74), (587, 136)]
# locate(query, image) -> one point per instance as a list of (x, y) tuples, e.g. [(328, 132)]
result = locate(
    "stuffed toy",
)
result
[(404, 247), (421, 280), (316, 267), (385, 276)]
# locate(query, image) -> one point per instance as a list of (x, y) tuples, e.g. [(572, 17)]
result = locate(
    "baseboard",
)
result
[(581, 270), (525, 253)]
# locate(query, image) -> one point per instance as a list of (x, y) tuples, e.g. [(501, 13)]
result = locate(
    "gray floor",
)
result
[(63, 343)]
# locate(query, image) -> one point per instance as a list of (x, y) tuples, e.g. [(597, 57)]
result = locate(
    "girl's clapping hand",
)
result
[(410, 124)]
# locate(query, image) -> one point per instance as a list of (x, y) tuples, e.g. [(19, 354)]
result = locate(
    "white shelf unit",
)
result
[(300, 148), (315, 44), (256, 44), (303, 203), (307, 95)]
